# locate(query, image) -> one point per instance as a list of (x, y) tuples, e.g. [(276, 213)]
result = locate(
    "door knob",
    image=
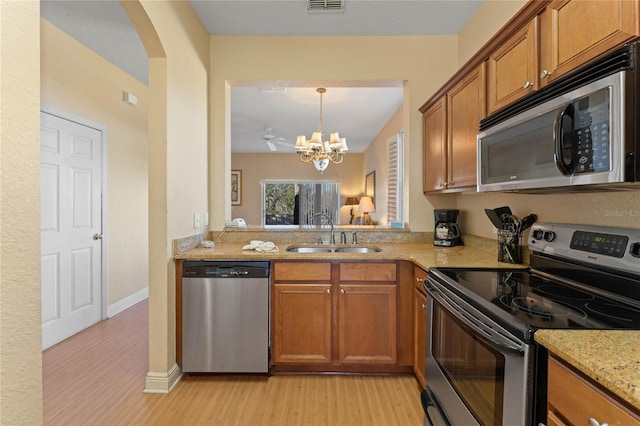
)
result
[(97, 236)]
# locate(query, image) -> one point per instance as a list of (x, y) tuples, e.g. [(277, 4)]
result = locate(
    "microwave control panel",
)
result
[(591, 135)]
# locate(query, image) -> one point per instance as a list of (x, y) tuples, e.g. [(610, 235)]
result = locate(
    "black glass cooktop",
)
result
[(538, 302)]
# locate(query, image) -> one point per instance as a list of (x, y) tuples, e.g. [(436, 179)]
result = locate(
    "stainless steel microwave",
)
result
[(576, 133)]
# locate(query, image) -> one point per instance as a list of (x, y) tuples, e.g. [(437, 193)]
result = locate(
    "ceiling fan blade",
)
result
[(272, 146)]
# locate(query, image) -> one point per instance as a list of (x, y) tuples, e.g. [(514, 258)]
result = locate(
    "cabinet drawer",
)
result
[(367, 272), (302, 271), (575, 400), (420, 276)]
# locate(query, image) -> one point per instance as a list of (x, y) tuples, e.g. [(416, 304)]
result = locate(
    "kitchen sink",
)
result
[(357, 249), (309, 249), (319, 248)]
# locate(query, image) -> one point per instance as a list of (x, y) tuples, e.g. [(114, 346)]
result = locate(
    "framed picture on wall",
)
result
[(370, 186), (236, 187)]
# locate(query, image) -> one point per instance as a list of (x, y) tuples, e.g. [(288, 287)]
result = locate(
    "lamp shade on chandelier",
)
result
[(319, 151)]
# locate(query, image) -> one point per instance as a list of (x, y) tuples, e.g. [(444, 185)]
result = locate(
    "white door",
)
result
[(71, 226)]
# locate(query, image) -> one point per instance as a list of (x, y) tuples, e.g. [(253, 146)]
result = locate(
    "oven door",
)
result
[(478, 372)]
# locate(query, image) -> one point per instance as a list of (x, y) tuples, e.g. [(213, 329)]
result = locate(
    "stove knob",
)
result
[(538, 234), (549, 236)]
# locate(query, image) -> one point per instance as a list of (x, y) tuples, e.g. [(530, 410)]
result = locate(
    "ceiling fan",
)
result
[(271, 140)]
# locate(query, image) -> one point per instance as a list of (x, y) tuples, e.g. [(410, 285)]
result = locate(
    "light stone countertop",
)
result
[(477, 252), (610, 357)]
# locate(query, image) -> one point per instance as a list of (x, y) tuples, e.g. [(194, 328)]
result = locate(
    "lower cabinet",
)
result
[(301, 323), (419, 325), (575, 400), (334, 314), (367, 324)]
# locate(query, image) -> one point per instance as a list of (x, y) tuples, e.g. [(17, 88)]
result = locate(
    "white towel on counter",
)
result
[(262, 246)]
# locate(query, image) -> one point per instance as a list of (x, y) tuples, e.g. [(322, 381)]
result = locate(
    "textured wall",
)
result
[(20, 336)]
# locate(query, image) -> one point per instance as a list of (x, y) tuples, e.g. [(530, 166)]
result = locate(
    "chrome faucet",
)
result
[(333, 230)]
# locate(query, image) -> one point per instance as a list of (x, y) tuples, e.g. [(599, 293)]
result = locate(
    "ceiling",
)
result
[(104, 27)]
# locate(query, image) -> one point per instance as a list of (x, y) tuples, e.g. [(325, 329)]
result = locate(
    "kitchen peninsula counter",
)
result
[(477, 252), (609, 357)]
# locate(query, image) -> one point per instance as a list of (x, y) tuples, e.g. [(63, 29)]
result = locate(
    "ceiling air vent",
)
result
[(325, 5)]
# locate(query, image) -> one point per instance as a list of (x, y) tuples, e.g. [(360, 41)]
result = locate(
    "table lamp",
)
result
[(351, 201), (366, 206)]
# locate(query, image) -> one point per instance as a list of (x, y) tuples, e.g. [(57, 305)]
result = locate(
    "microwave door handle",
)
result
[(558, 139)]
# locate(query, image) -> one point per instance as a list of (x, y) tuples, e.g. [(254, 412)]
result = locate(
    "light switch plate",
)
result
[(206, 218), (196, 220)]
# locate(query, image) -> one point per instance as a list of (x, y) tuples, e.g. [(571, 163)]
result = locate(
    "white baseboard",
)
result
[(127, 302), (162, 382)]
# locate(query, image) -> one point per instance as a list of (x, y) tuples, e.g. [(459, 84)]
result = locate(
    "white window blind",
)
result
[(394, 181)]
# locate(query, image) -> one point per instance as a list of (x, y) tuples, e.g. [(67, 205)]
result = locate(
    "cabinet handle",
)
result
[(328, 291), (342, 290), (423, 306), (545, 74), (420, 280), (527, 84), (594, 422)]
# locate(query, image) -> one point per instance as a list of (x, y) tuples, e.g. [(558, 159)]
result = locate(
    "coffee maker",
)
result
[(447, 231)]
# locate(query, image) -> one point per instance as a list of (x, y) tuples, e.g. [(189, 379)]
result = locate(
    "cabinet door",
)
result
[(512, 70), (574, 400), (434, 147), (465, 108), (301, 323), (367, 324), (577, 31), (419, 334)]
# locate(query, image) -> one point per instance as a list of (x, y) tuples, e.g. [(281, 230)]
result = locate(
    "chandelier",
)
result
[(319, 151)]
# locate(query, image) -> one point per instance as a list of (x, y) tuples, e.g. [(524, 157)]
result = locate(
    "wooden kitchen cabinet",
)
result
[(420, 335), (577, 31), (367, 323), (419, 325), (332, 314), (301, 323), (367, 314), (301, 305), (434, 146), (450, 127), (573, 399), (512, 69)]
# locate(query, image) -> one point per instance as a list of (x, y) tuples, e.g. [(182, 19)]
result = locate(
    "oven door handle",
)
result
[(492, 337)]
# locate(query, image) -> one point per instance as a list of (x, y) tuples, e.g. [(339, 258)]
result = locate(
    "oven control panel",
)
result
[(617, 248)]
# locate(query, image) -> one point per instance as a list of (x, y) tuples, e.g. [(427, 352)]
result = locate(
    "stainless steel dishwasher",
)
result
[(225, 317)]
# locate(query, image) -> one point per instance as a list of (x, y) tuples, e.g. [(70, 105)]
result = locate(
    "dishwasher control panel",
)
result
[(204, 269)]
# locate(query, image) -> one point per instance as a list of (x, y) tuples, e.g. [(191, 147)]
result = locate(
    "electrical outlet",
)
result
[(206, 218), (196, 220)]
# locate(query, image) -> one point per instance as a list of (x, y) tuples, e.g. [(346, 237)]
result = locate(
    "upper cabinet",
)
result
[(577, 31), (512, 69), (450, 126), (542, 42)]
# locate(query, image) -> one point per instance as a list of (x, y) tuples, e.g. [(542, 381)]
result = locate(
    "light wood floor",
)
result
[(97, 378)]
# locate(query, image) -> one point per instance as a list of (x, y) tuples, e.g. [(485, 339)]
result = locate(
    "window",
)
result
[(296, 203), (395, 179)]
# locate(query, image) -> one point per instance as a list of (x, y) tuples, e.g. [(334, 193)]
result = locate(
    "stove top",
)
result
[(579, 277), (537, 302)]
